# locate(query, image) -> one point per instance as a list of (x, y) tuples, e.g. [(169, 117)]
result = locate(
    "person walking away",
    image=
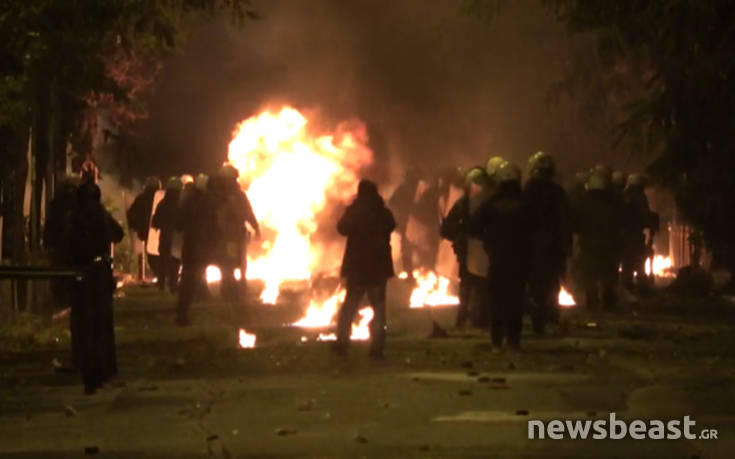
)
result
[(504, 225), (195, 223), (598, 223), (165, 219), (92, 231), (471, 256), (139, 219), (551, 239), (233, 211), (367, 264)]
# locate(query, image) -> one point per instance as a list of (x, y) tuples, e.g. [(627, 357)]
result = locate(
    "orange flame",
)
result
[(320, 314), (566, 300), (290, 174), (360, 331), (432, 290), (247, 340), (660, 266)]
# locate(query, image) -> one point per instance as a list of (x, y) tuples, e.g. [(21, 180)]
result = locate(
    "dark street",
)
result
[(194, 393)]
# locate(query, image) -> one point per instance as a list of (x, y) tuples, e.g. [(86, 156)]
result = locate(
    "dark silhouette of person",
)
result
[(455, 227), (504, 225), (232, 211), (367, 263), (139, 218), (551, 239), (195, 222), (165, 219), (92, 231)]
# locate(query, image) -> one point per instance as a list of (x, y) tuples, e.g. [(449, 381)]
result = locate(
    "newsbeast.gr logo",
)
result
[(617, 429)]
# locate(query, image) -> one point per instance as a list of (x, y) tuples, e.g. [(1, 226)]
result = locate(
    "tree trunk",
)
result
[(14, 147), (62, 127), (40, 147)]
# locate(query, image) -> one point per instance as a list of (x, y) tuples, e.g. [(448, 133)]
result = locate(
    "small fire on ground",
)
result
[(565, 299), (360, 331), (246, 340), (431, 290), (660, 266), (321, 314)]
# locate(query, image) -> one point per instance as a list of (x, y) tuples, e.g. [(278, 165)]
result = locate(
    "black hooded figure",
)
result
[(92, 231), (367, 264)]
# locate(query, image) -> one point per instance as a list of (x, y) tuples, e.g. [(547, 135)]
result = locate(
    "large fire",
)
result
[(290, 174)]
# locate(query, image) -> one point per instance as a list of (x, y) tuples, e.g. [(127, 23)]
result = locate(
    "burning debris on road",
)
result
[(246, 340)]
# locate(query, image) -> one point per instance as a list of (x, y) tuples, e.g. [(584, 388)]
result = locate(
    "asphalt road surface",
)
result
[(193, 393)]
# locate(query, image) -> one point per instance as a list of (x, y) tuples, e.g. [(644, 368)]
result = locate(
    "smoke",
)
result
[(434, 87)]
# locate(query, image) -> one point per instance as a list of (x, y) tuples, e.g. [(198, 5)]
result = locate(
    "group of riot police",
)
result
[(515, 242), (207, 216)]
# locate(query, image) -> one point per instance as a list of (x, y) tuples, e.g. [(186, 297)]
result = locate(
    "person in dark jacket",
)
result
[(598, 223), (92, 231), (367, 264), (551, 238), (195, 222), (504, 225), (165, 219), (471, 256)]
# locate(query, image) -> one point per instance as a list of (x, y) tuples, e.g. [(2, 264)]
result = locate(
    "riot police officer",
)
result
[(471, 256), (504, 225), (551, 238), (165, 219), (598, 224)]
